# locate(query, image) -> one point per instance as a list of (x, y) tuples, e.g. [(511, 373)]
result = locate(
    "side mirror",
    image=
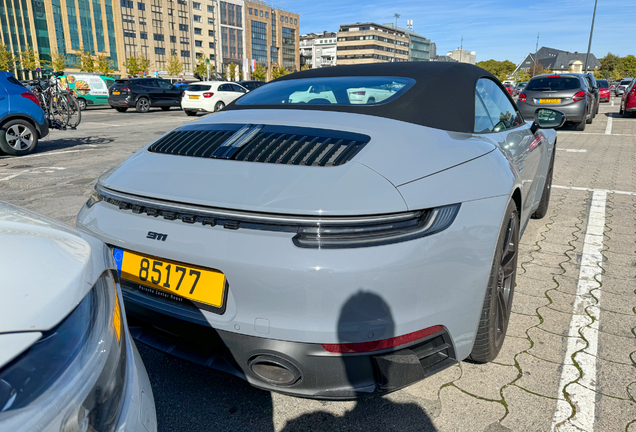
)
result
[(546, 118)]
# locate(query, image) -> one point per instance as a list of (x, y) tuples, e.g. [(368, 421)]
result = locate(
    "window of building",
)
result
[(173, 39), (128, 18), (266, 14), (183, 14), (211, 33), (286, 19), (198, 43), (184, 40), (289, 48), (231, 14), (157, 23), (197, 31), (295, 21), (160, 51), (141, 6), (183, 27), (157, 37), (129, 34), (282, 19), (199, 55), (250, 11), (173, 52), (196, 6), (155, 9), (143, 35), (142, 21), (211, 21), (259, 42), (211, 56), (170, 11), (211, 8), (196, 18), (185, 53), (127, 4), (261, 14), (211, 45)]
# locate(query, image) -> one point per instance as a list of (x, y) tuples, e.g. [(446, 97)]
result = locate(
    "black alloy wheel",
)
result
[(143, 105), (495, 314), (219, 106)]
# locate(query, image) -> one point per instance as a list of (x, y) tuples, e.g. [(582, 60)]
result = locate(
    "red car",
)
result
[(512, 91), (604, 90), (628, 102)]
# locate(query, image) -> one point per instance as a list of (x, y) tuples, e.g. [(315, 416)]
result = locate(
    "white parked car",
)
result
[(210, 96), (67, 361)]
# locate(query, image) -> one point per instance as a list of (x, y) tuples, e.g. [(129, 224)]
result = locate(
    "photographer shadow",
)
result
[(362, 311)]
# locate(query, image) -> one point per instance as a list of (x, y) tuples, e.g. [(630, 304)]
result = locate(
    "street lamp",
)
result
[(397, 15), (589, 46)]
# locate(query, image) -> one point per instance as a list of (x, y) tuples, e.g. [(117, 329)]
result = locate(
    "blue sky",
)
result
[(501, 30)]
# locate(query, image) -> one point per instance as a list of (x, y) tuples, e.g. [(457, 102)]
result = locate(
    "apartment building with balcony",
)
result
[(272, 36), (371, 43), (419, 46), (318, 50), (63, 26)]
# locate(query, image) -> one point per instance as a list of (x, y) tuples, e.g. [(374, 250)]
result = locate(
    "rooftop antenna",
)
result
[(409, 24)]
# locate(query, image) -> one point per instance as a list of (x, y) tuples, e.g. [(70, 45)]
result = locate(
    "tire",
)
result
[(218, 106), (371, 101), (590, 119), (542, 210), (596, 110), (190, 113), (580, 126), (82, 104), (165, 108), (142, 105), (495, 314), (625, 114), (18, 137), (121, 109)]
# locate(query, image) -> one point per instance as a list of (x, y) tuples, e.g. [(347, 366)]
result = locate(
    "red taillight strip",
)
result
[(382, 344), (30, 96)]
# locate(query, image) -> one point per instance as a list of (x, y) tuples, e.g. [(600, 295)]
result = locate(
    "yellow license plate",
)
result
[(116, 92), (194, 97), (194, 283), (549, 100)]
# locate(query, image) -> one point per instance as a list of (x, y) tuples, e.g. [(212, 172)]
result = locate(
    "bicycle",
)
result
[(59, 105)]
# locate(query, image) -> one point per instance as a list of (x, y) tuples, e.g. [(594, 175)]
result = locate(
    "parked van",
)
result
[(88, 88)]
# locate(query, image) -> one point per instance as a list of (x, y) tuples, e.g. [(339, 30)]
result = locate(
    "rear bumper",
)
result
[(316, 373), (127, 101), (196, 105), (574, 112)]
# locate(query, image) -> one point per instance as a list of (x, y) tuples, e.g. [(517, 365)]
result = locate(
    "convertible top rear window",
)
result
[(349, 90)]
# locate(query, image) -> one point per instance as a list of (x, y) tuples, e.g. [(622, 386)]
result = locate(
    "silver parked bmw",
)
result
[(67, 361), (326, 244)]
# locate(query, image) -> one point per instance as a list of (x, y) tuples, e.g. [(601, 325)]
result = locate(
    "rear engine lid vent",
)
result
[(263, 143)]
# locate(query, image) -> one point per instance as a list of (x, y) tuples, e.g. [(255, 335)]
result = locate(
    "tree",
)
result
[(230, 71), (58, 62), (500, 69), (7, 60), (131, 65), (28, 58), (104, 65), (143, 63), (174, 67), (259, 74), (610, 63), (521, 76), (85, 61), (306, 67), (201, 68), (279, 71), (628, 64), (536, 68)]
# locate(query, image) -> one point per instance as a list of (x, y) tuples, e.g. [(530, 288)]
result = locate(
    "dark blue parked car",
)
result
[(22, 121)]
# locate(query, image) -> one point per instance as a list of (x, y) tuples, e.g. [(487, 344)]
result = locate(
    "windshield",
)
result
[(360, 90), (551, 83), (626, 82), (602, 84)]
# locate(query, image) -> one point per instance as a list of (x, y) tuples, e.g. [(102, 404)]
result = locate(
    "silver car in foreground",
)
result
[(67, 361), (622, 86), (326, 248)]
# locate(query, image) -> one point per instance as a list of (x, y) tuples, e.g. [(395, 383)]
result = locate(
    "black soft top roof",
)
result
[(443, 96)]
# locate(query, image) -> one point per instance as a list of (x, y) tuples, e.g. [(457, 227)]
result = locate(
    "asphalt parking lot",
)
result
[(569, 360)]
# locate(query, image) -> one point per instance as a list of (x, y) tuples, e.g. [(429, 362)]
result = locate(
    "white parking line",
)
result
[(612, 102), (589, 279), (608, 129), (34, 170), (573, 150), (53, 153), (13, 175), (594, 190)]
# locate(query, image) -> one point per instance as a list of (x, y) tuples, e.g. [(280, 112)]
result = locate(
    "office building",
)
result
[(204, 31), (63, 26), (419, 46), (371, 43), (318, 50), (272, 36), (463, 56)]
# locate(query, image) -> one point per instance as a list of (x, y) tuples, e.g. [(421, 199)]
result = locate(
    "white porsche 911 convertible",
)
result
[(326, 248)]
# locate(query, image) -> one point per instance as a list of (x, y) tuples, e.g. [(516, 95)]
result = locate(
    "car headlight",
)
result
[(418, 224), (73, 378), (94, 198)]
